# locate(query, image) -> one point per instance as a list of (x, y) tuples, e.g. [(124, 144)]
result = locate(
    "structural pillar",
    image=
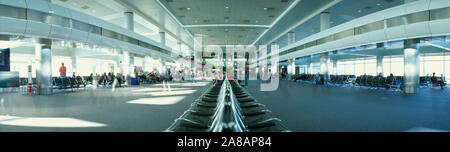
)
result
[(324, 21), (309, 64), (411, 66), (43, 55), (335, 62), (129, 20), (162, 38), (74, 58), (324, 60), (163, 67), (380, 64), (290, 71), (291, 37), (324, 57)]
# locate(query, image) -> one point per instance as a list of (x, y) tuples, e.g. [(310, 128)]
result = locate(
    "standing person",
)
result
[(62, 73), (62, 70), (247, 72), (193, 76)]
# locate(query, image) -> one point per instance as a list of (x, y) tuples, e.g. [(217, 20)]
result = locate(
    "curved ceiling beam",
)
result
[(298, 23), (226, 25), (140, 13)]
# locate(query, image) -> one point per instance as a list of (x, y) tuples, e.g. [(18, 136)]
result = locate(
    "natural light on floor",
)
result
[(158, 89), (47, 122), (158, 100), (166, 93)]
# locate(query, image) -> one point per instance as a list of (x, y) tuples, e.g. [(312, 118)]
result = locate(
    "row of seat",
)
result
[(69, 82), (24, 81), (202, 113), (342, 79), (256, 117), (379, 82), (208, 111)]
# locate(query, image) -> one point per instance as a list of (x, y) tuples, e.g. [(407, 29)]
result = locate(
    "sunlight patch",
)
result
[(158, 100), (47, 122)]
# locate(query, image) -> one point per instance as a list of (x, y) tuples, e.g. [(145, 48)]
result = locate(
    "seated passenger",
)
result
[(389, 81), (435, 81)]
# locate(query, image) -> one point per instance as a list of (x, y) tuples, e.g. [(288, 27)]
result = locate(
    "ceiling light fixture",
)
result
[(188, 8)]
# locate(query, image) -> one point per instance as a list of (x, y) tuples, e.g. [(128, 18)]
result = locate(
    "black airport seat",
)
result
[(269, 125), (185, 125)]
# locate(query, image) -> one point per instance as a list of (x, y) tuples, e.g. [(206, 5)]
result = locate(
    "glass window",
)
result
[(417, 17), (396, 21), (81, 26), (95, 30), (360, 67), (59, 20), (20, 62), (38, 16), (344, 34), (13, 12), (397, 65), (310, 44), (387, 66), (438, 14), (371, 67)]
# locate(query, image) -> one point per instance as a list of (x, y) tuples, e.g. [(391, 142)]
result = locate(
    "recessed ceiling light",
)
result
[(265, 8), (227, 7), (359, 11), (378, 4), (188, 8)]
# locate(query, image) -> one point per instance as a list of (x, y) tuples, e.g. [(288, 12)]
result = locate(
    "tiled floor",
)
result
[(310, 108), (143, 108)]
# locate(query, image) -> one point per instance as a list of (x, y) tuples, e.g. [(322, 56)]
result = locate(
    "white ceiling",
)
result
[(148, 18), (226, 22)]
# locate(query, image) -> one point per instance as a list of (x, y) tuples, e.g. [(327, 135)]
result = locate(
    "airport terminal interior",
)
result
[(224, 65)]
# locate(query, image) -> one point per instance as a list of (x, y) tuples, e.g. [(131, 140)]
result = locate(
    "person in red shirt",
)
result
[(62, 70)]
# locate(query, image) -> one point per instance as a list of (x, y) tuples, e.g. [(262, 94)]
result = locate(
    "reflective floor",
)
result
[(311, 108), (143, 108)]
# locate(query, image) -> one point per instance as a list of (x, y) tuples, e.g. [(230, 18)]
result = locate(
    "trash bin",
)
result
[(133, 81)]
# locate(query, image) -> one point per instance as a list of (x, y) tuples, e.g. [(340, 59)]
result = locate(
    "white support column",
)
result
[(290, 66), (324, 60), (335, 67), (162, 37), (129, 20), (411, 66), (43, 55), (291, 37), (128, 58), (380, 64), (74, 58), (335, 63), (163, 67), (309, 64), (324, 21), (324, 57)]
